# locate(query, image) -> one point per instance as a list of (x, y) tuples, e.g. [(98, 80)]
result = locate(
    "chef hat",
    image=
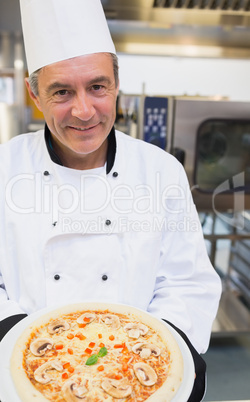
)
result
[(56, 30)]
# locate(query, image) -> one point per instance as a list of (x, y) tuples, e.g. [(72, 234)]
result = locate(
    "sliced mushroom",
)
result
[(86, 318), (41, 375), (145, 374), (39, 346), (145, 353), (145, 350), (58, 326), (75, 390), (135, 330), (116, 388), (111, 320)]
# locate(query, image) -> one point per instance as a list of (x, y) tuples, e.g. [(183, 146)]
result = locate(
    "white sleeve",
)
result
[(7, 307), (187, 288)]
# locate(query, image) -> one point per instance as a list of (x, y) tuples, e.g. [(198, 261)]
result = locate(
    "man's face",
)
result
[(78, 100)]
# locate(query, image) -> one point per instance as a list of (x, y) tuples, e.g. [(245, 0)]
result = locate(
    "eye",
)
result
[(98, 87), (62, 92)]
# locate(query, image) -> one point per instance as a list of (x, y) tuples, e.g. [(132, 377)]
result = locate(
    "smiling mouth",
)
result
[(82, 128)]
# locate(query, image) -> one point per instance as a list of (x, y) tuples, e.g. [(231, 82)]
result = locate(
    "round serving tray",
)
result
[(7, 388)]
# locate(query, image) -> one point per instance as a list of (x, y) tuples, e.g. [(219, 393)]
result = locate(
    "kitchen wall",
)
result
[(190, 76)]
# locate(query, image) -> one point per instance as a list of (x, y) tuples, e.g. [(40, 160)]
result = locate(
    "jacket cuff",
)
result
[(199, 387), (9, 322)]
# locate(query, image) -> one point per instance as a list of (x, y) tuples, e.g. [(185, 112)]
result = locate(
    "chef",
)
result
[(87, 212)]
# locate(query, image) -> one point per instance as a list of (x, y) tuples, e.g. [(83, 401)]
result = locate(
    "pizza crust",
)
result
[(28, 393)]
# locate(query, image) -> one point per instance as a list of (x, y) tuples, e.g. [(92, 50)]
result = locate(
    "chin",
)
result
[(86, 150)]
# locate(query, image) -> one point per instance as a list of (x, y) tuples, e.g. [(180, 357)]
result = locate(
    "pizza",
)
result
[(93, 352)]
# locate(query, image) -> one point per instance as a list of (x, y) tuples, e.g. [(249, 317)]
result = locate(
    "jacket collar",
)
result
[(110, 154)]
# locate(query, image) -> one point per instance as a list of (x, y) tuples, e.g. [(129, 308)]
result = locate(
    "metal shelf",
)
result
[(7, 71), (232, 317)]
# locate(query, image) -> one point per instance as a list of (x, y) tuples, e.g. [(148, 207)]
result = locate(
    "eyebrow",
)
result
[(99, 79), (57, 84)]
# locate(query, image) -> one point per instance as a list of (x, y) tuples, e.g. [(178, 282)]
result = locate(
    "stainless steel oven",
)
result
[(212, 140)]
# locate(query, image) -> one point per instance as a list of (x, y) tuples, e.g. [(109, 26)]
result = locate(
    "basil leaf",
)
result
[(92, 360), (102, 352)]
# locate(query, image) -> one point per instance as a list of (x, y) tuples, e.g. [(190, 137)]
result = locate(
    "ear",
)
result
[(32, 95)]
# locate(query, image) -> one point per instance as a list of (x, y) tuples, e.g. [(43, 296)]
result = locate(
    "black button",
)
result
[(104, 277), (46, 173), (57, 277), (108, 222), (115, 174)]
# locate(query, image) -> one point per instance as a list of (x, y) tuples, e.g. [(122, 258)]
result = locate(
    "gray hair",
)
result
[(33, 78)]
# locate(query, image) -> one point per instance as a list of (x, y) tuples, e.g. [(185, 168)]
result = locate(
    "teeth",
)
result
[(80, 129)]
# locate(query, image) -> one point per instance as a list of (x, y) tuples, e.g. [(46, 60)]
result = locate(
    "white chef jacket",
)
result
[(131, 236)]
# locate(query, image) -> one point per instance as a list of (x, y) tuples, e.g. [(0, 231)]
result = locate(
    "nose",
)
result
[(83, 107)]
